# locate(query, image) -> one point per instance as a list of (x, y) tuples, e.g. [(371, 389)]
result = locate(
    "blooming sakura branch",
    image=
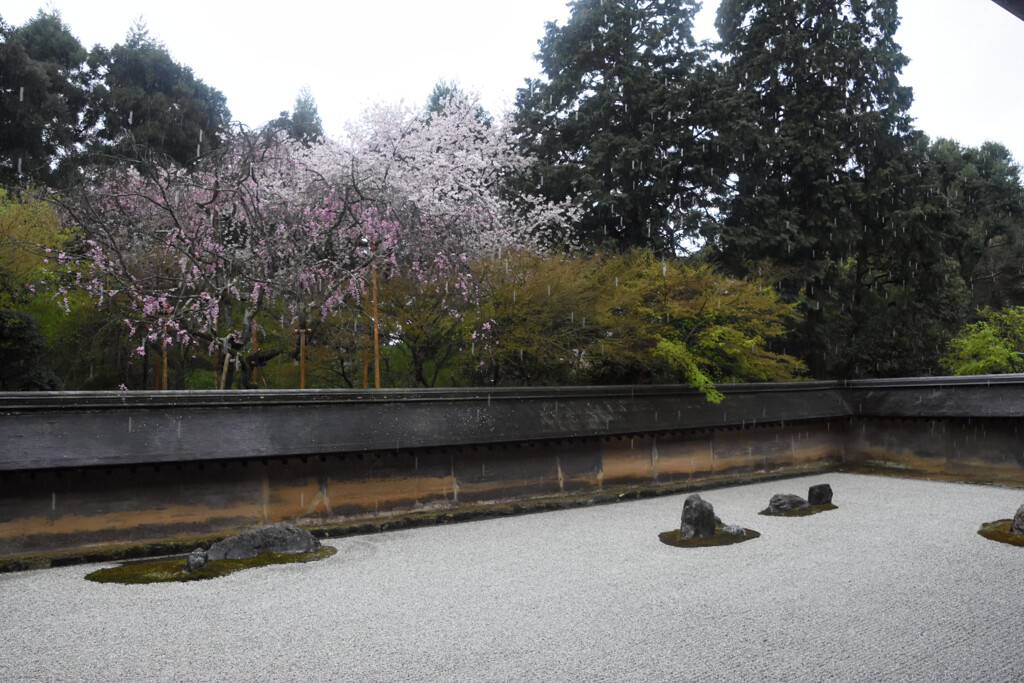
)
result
[(193, 255)]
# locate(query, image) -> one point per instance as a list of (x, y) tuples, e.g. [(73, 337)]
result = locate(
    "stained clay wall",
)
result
[(83, 476), (88, 510)]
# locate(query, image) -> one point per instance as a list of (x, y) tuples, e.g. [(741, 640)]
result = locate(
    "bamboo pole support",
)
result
[(376, 333), (302, 356)]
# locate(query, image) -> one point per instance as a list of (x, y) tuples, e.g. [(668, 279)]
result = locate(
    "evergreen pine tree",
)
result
[(44, 84), (303, 124), (621, 121), (825, 175), (148, 99)]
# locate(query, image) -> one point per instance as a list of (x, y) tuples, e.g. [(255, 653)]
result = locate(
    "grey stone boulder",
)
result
[(282, 537), (196, 560), (783, 502), (1017, 525), (734, 530), (698, 518), (819, 494)]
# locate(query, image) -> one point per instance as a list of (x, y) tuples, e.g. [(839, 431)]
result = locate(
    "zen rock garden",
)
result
[(819, 499), (700, 527), (281, 543), (284, 543)]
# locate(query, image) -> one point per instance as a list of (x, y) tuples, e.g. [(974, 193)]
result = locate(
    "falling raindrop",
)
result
[(131, 115), (21, 94)]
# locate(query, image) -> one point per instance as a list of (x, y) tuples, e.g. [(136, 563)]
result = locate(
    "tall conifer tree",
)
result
[(620, 120), (303, 124), (148, 99), (824, 173), (44, 84)]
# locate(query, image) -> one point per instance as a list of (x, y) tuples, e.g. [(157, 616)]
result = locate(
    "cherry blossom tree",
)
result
[(195, 255)]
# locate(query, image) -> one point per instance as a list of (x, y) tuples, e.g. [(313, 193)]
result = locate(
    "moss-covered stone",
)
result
[(673, 538), (800, 512), (1000, 531), (173, 569)]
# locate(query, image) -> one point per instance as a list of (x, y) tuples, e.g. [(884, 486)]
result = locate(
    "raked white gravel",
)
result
[(895, 585)]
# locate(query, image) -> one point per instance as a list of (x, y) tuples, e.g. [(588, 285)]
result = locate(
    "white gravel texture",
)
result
[(895, 585)]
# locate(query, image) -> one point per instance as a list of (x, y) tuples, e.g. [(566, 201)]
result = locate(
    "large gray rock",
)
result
[(819, 494), (1017, 525), (698, 518), (275, 538), (783, 502)]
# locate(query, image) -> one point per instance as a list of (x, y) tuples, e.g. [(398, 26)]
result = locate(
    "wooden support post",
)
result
[(255, 348), (302, 356), (163, 352), (226, 358), (376, 333)]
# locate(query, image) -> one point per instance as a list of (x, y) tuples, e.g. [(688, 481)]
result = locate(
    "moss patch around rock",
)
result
[(173, 569), (800, 512), (674, 539), (1000, 531)]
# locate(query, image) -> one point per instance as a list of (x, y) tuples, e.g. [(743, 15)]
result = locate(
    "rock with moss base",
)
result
[(196, 560), (275, 538), (1017, 525), (784, 502), (698, 518)]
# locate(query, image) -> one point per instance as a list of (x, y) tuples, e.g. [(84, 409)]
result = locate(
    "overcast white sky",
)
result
[(967, 56)]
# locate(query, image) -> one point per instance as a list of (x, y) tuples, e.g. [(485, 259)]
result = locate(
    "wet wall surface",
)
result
[(88, 470), (84, 429), (72, 429)]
